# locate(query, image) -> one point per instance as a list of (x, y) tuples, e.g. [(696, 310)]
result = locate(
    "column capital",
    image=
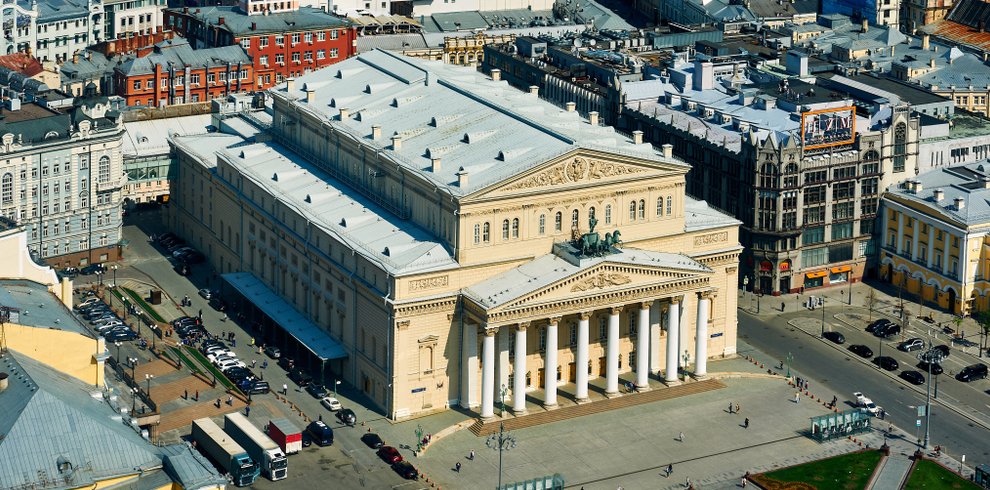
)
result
[(708, 293), (489, 331), (676, 299), (645, 305), (522, 326), (584, 315), (615, 310), (554, 320)]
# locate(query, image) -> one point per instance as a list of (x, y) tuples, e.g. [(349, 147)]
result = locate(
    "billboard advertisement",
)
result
[(828, 127)]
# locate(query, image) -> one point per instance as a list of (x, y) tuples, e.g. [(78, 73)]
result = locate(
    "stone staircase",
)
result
[(481, 428)]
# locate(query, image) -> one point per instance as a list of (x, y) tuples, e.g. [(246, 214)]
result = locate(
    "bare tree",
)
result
[(871, 301)]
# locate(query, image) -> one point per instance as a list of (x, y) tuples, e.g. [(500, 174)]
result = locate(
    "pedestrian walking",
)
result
[(797, 397), (230, 400), (457, 467), (680, 436), (687, 483), (185, 394), (217, 403), (471, 455), (737, 408), (223, 334), (252, 341), (670, 470), (233, 343), (264, 364), (247, 410), (746, 423), (835, 400), (200, 314), (744, 482), (253, 362), (197, 395), (285, 389), (730, 407)]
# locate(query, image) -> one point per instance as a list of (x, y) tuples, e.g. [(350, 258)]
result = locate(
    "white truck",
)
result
[(261, 447), (866, 404)]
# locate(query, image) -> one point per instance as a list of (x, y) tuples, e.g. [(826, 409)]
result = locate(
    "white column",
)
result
[(612, 352), (502, 343), (915, 234), (469, 367), (643, 346), (900, 233), (655, 336), (519, 371), (581, 362), (931, 246), (701, 338), (673, 331), (488, 374), (946, 246), (550, 366)]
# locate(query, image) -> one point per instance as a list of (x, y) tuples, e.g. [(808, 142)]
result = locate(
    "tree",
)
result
[(871, 301), (983, 320)]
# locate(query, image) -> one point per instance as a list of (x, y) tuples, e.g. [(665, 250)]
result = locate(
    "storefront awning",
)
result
[(816, 275), (309, 334), (841, 269)]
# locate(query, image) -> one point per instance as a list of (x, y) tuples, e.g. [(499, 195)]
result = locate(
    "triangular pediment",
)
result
[(580, 169), (600, 280)]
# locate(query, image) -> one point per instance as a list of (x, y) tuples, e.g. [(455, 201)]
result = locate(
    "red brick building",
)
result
[(282, 39), (174, 73)]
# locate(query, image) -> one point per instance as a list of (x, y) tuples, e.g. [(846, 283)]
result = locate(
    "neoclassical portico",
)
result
[(605, 316)]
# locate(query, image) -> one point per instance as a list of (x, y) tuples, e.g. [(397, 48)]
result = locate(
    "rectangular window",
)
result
[(263, 60), (309, 37), (844, 172), (844, 210), (295, 39), (841, 231), (194, 78), (812, 236), (279, 40), (280, 58), (321, 54), (840, 252), (866, 226), (866, 248), (816, 176), (211, 78), (814, 215), (137, 84), (869, 187), (814, 257), (869, 206), (573, 336), (814, 195), (333, 34), (843, 190), (295, 57), (333, 52), (246, 43), (263, 42), (308, 56)]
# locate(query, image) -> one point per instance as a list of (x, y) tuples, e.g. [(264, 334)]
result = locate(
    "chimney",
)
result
[(931, 63), (75, 57), (866, 25), (290, 84), (3, 381), (220, 21), (960, 203), (638, 137), (344, 114), (593, 118), (925, 41), (986, 182), (570, 106), (254, 25), (396, 143), (185, 10), (462, 178), (310, 96), (496, 74), (938, 195), (534, 90), (376, 132), (667, 150), (918, 187), (435, 164)]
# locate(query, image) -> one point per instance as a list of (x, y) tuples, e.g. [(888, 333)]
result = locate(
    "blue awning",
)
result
[(282, 313)]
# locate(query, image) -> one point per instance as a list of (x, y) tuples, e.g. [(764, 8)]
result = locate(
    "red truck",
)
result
[(286, 435)]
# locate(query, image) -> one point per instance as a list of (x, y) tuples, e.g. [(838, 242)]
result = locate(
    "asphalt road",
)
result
[(839, 372)]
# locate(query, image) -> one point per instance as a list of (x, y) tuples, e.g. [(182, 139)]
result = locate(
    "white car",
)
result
[(217, 359), (331, 403), (206, 294), (229, 363), (866, 404), (220, 354)]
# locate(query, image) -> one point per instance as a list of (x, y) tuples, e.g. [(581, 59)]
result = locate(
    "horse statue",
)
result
[(612, 239), (590, 243)]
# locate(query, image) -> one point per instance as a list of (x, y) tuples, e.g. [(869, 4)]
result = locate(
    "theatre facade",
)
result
[(433, 237)]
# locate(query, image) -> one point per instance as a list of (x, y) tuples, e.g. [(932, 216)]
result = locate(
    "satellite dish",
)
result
[(593, 42), (577, 43)]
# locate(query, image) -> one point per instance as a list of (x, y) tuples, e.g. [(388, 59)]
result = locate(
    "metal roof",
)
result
[(240, 24), (178, 53), (39, 307), (969, 182), (189, 468), (309, 334), (146, 138), (48, 418)]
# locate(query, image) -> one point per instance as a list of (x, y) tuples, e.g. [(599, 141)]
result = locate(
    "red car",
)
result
[(389, 454)]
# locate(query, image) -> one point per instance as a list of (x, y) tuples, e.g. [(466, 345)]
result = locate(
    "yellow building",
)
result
[(426, 234), (936, 241)]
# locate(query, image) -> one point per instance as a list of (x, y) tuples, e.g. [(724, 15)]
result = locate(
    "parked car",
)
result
[(913, 377), (230, 363), (389, 454), (182, 250), (330, 403), (406, 470), (120, 336), (861, 350), (259, 387), (69, 272), (936, 368), (194, 257), (942, 349), (86, 303), (836, 337), (185, 320), (866, 404), (182, 269), (346, 416), (92, 269), (911, 344), (273, 352), (872, 327), (300, 377), (374, 441), (206, 293), (886, 362), (320, 433), (317, 390), (887, 330), (972, 372)]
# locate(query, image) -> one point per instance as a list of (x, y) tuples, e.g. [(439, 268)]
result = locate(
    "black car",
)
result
[(942, 349), (237, 373), (69, 272), (165, 236), (321, 433), (258, 388), (936, 368), (92, 269), (192, 257), (182, 269), (406, 470), (972, 372), (372, 440), (913, 377), (861, 350), (346, 416), (872, 327), (836, 337), (301, 377), (273, 352), (317, 390), (120, 336), (186, 320), (886, 362), (887, 330)]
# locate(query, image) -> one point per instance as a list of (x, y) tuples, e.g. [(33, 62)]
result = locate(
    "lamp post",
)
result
[(929, 357), (823, 316), (134, 396), (133, 361), (148, 378), (335, 383), (118, 344), (114, 269), (502, 441)]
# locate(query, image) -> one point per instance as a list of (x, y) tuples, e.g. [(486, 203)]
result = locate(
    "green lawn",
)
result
[(929, 475), (184, 360), (144, 305), (213, 369), (849, 471)]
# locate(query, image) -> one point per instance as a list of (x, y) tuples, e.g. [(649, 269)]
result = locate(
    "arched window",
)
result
[(632, 211), (7, 189), (543, 224), (670, 205), (900, 146), (871, 155), (642, 209), (505, 229), (558, 222), (608, 214), (574, 218), (477, 234), (104, 169), (487, 233), (515, 228), (768, 175), (591, 212), (660, 206)]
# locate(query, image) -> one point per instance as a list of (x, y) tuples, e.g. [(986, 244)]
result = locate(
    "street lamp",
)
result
[(99, 275), (929, 357), (134, 396), (823, 316), (148, 378), (133, 361), (790, 357), (502, 441), (335, 383), (114, 269), (118, 344)]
